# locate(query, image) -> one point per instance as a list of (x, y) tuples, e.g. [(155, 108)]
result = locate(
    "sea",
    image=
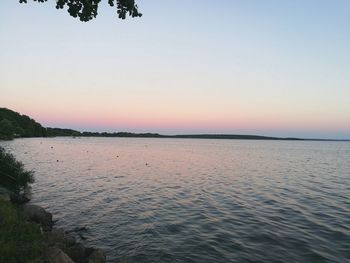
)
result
[(196, 200)]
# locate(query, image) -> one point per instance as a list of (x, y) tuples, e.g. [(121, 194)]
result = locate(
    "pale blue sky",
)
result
[(263, 67)]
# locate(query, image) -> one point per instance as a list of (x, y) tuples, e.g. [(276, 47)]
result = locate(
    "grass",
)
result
[(20, 241)]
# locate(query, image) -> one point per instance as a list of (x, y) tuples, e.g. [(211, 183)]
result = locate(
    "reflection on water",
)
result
[(184, 200)]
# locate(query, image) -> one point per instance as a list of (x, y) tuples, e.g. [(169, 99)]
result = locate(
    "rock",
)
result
[(96, 256), (62, 247), (60, 238), (67, 243), (39, 215), (56, 255), (77, 253)]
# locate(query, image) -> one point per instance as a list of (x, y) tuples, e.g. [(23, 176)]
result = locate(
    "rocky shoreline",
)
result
[(59, 245)]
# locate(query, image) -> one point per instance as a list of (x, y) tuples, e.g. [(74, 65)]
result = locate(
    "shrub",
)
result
[(13, 176)]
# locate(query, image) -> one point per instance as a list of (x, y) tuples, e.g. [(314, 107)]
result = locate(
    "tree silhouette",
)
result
[(86, 10), (6, 129)]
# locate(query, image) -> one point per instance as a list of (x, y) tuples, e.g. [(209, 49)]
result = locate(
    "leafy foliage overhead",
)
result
[(86, 10)]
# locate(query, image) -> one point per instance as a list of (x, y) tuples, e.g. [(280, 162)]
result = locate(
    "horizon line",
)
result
[(191, 135)]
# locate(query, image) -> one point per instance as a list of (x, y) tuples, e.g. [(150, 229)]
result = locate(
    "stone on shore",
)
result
[(96, 256), (59, 237), (39, 215), (77, 253), (67, 243), (56, 255), (62, 247)]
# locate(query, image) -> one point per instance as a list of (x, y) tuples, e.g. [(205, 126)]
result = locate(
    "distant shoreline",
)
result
[(191, 136), (15, 125)]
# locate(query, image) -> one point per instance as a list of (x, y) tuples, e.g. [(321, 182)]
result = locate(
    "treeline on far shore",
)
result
[(15, 125)]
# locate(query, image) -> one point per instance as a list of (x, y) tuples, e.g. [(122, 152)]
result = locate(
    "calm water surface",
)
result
[(184, 200)]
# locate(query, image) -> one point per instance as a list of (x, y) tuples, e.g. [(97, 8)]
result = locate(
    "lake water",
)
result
[(192, 200)]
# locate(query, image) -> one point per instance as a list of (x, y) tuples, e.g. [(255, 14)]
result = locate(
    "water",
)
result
[(184, 200)]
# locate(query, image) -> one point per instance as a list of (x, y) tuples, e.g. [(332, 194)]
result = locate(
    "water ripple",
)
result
[(197, 200)]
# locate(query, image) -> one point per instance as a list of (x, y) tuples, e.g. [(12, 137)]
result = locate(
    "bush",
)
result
[(13, 176)]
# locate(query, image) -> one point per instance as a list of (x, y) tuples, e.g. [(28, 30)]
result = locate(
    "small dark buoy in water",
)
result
[(51, 147), (58, 160), (117, 156), (146, 164)]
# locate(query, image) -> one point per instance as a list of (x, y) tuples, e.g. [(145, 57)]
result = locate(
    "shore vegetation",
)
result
[(20, 240), (13, 176)]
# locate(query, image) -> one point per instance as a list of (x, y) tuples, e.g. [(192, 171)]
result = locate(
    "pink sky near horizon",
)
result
[(238, 124), (267, 68)]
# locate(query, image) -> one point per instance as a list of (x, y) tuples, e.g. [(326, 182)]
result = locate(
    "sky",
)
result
[(276, 68)]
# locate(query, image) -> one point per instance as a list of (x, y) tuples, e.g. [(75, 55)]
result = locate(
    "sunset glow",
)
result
[(267, 68)]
